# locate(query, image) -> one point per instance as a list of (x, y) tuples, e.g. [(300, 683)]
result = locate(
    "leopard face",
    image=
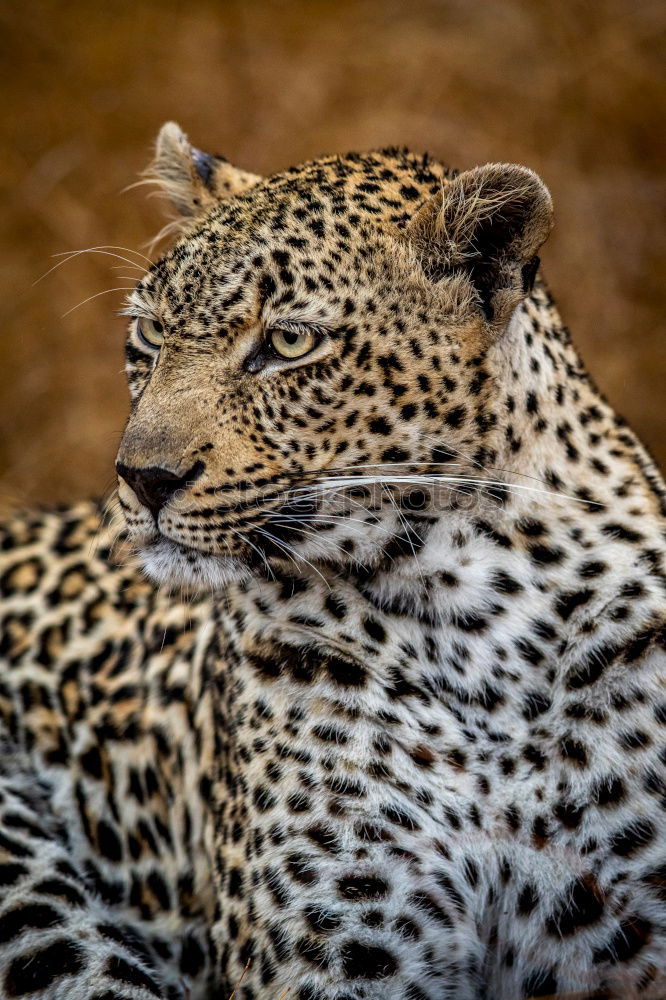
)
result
[(313, 357)]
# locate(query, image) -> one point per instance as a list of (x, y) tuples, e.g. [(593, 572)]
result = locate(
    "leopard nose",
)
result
[(154, 486)]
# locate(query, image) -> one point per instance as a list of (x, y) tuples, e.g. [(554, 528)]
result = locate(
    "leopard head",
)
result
[(308, 363)]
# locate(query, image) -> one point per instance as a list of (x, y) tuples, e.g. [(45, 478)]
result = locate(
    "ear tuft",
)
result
[(193, 181), (487, 223), (173, 168)]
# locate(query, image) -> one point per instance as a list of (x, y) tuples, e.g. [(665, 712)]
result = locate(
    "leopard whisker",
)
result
[(107, 291), (484, 468), (337, 546), (103, 249), (355, 482), (323, 519), (287, 548), (313, 534), (262, 555), (303, 531), (407, 534), (468, 460)]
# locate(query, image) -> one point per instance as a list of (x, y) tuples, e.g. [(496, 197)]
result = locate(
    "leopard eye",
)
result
[(291, 344), (150, 332)]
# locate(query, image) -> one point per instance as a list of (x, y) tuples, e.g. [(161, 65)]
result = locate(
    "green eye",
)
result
[(150, 332), (289, 344)]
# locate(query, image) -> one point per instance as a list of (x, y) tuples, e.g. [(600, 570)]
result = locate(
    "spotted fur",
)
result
[(400, 736)]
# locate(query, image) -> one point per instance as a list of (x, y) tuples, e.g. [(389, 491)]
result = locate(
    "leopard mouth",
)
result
[(186, 547)]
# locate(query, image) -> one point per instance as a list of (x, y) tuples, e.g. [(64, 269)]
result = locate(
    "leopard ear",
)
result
[(486, 224), (191, 180)]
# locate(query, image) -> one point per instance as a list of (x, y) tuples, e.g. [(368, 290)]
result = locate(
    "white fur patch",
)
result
[(168, 563)]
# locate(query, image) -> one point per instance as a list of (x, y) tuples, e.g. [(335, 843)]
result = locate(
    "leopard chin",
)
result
[(168, 563)]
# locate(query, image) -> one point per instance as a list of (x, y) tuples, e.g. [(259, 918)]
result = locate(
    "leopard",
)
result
[(355, 690)]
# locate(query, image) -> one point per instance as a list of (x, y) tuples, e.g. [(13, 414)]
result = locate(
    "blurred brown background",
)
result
[(573, 89)]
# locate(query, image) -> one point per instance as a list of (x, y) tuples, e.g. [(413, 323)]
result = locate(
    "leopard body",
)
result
[(366, 701)]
